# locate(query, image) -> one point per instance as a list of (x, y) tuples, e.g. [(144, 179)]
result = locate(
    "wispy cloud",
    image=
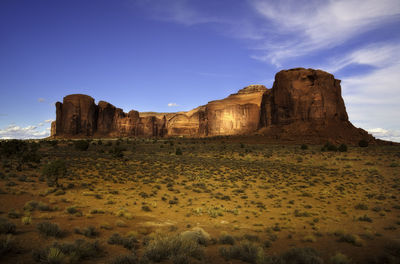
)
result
[(377, 55), (303, 27), (172, 104), (41, 100), (179, 11), (29, 132)]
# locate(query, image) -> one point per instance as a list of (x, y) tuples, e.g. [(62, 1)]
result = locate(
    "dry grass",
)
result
[(256, 202)]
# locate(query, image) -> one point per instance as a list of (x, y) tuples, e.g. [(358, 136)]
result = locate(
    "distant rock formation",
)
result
[(303, 104)]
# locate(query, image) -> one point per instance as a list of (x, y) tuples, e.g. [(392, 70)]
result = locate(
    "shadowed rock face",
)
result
[(303, 95), (77, 115), (302, 104)]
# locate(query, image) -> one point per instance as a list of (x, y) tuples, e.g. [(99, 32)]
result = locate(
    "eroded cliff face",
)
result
[(302, 104), (237, 114), (303, 95)]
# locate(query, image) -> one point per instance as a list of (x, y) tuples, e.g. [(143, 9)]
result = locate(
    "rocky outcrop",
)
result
[(303, 104), (77, 115), (307, 104), (303, 95)]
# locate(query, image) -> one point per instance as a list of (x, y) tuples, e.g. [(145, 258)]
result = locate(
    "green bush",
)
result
[(363, 143), (53, 171), (303, 147)]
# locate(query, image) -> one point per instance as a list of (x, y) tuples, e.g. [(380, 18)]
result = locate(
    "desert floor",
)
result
[(201, 201)]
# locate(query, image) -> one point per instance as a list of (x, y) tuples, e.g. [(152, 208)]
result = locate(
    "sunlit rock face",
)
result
[(302, 105), (237, 114)]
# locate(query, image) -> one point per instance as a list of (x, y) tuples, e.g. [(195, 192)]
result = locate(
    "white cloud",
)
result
[(28, 132), (48, 120), (172, 104), (41, 100), (391, 135), (378, 55), (308, 26)]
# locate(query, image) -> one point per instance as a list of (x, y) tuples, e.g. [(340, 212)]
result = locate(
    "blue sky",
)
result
[(167, 56)]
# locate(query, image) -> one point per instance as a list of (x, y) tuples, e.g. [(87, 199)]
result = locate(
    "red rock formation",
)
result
[(303, 104), (237, 114), (307, 104), (77, 115)]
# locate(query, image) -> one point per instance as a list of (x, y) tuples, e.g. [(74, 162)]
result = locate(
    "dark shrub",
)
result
[(178, 151), (302, 255), (363, 143), (53, 171), (343, 148), (125, 259), (6, 227), (329, 147), (50, 229), (81, 145), (304, 146)]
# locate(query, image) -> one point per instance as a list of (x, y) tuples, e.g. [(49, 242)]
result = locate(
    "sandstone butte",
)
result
[(304, 105)]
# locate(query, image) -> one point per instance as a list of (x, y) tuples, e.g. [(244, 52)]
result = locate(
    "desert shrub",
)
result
[(303, 147), (361, 206), (31, 205), (146, 208), (245, 251), (73, 252), (50, 229), (6, 227), (301, 255), (117, 152), (7, 245), (54, 171), (129, 242), (329, 147), (26, 220), (340, 258), (342, 148), (363, 143), (14, 214), (72, 210), (13, 147), (125, 259), (348, 238), (226, 239), (89, 232), (81, 145), (178, 151), (174, 248), (365, 218)]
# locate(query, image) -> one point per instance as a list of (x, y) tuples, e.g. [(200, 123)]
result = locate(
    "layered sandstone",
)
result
[(302, 104)]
